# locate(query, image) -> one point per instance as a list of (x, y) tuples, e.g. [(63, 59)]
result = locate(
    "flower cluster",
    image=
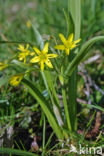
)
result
[(42, 57), (39, 56)]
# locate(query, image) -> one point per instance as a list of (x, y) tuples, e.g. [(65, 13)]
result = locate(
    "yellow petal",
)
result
[(25, 60), (32, 53), (21, 47), (27, 46), (45, 49), (52, 55), (42, 65), (60, 47), (28, 24), (70, 38), (49, 64), (37, 50), (3, 66), (21, 58), (16, 79), (34, 60), (77, 41), (67, 51), (63, 39), (73, 46)]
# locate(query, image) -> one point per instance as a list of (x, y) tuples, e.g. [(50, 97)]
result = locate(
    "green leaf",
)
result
[(93, 106), (93, 8), (3, 80), (16, 152), (16, 42), (50, 79), (74, 7), (81, 54), (21, 64), (70, 23), (38, 37), (44, 105), (66, 108), (47, 76)]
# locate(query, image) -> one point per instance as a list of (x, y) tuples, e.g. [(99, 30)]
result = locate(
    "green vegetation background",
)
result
[(48, 17)]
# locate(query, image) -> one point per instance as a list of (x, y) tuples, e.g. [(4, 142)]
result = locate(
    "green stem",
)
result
[(47, 77), (44, 128), (66, 108), (47, 87), (16, 152), (65, 100), (16, 42)]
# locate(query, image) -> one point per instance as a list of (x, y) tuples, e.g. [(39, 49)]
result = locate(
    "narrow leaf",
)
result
[(16, 42), (38, 37), (74, 7), (16, 152), (44, 105), (82, 53), (69, 22), (3, 80), (49, 78)]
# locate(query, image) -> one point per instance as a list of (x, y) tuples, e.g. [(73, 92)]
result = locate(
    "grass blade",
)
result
[(49, 78), (16, 152), (66, 109), (38, 37), (69, 22), (74, 7), (43, 103), (16, 42)]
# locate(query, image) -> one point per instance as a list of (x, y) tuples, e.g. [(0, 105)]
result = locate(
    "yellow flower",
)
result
[(67, 44), (28, 24), (24, 52), (16, 79), (3, 65), (43, 57)]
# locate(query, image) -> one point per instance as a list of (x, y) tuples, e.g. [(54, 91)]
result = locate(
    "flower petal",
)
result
[(70, 38), (32, 53), (73, 46), (3, 66), (77, 41), (52, 55), (25, 60), (63, 39), (67, 50), (20, 47), (45, 49), (37, 50), (16, 79), (42, 65), (21, 58), (28, 24), (27, 46), (49, 64), (34, 60), (60, 47)]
